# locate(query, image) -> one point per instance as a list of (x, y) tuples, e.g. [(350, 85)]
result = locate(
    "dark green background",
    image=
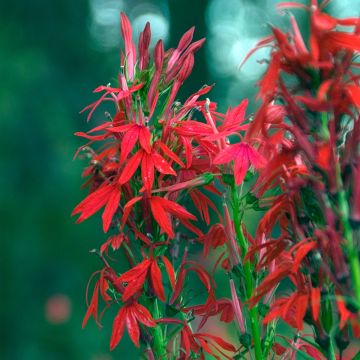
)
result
[(50, 61)]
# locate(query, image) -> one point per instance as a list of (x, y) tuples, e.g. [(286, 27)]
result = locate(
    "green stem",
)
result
[(253, 312), (158, 335), (331, 351), (348, 235)]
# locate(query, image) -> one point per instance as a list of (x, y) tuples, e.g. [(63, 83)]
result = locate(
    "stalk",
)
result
[(348, 235), (253, 312), (158, 335), (331, 351)]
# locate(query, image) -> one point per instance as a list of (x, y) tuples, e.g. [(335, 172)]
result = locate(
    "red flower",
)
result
[(199, 343), (149, 162), (130, 315), (101, 286), (130, 49), (213, 307), (118, 94), (133, 134), (114, 241), (161, 210), (185, 268), (107, 195), (243, 155), (135, 278)]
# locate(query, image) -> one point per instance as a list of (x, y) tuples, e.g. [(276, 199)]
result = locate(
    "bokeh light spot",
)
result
[(58, 309)]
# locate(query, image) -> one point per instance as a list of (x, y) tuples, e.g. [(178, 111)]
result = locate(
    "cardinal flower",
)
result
[(135, 277), (161, 210), (149, 160), (130, 315), (133, 134), (107, 195), (199, 343), (107, 275), (243, 155)]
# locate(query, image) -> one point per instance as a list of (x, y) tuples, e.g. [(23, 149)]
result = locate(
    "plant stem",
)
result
[(253, 312), (331, 351), (158, 335), (348, 235)]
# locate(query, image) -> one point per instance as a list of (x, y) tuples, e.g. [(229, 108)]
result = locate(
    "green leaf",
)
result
[(251, 199), (208, 178), (228, 179), (312, 343)]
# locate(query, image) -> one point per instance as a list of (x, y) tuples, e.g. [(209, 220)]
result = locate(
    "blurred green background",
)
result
[(52, 55)]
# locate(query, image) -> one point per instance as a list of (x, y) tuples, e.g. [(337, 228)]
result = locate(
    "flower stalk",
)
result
[(248, 277)]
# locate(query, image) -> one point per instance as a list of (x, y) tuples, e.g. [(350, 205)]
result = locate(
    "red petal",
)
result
[(104, 286), (179, 285), (130, 53), (354, 92), (269, 282), (256, 159), (156, 280), (143, 315), (203, 276), (228, 154), (337, 40), (186, 341), (301, 306), (93, 202), (262, 43), (132, 326), (91, 137), (301, 253), (118, 328), (161, 165), (128, 142), (169, 153), (315, 302), (234, 117), (93, 106), (145, 138), (174, 208), (322, 21), (135, 272), (130, 167), (111, 208), (193, 128), (134, 286), (100, 127), (147, 172), (170, 270), (161, 216), (268, 83), (221, 342), (128, 207), (121, 128), (93, 306), (241, 166)]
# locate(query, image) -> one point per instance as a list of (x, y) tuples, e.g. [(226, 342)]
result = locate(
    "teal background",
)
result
[(52, 55)]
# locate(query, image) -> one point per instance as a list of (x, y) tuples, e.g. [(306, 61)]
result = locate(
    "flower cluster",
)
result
[(309, 123), (171, 182)]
